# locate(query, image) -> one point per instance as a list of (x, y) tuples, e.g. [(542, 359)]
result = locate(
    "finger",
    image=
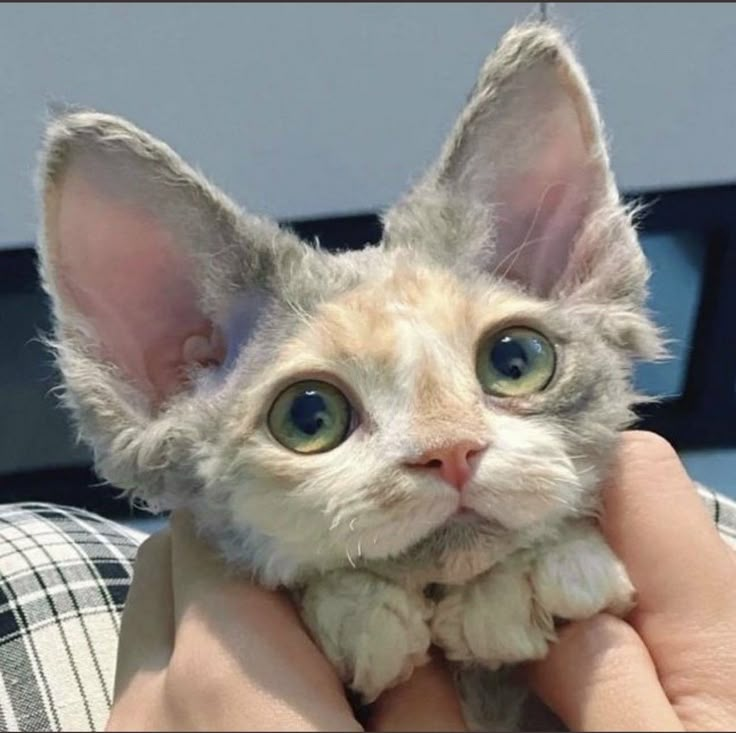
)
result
[(599, 676), (256, 646), (684, 574), (428, 701), (657, 524), (195, 569), (205, 592), (147, 629), (205, 589)]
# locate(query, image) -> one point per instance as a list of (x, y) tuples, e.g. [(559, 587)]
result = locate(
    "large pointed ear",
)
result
[(155, 278), (139, 253), (528, 151)]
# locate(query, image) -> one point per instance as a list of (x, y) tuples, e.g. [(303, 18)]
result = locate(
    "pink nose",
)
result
[(452, 462)]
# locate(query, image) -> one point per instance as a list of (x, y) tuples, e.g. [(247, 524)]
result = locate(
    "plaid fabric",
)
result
[(64, 577), (723, 511)]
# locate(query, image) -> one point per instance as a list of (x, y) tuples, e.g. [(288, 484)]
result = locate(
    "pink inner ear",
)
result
[(542, 209), (123, 272)]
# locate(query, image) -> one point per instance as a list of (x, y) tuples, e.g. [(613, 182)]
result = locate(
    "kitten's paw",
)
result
[(373, 631), (492, 620), (580, 576)]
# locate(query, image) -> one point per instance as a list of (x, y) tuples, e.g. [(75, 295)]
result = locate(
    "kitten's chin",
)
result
[(468, 522), (463, 545), (464, 529)]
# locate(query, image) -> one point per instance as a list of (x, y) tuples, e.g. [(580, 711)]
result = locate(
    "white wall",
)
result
[(306, 109)]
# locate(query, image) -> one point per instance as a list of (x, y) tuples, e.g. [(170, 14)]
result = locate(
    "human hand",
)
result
[(257, 668), (202, 650), (672, 664)]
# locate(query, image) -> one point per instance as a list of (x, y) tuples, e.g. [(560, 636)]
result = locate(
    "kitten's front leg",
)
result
[(374, 631), (579, 576), (493, 619), (507, 615)]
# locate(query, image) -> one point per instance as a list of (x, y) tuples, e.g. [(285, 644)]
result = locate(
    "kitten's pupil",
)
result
[(509, 358), (308, 411)]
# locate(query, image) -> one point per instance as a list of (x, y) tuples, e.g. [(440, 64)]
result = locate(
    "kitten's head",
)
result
[(470, 371)]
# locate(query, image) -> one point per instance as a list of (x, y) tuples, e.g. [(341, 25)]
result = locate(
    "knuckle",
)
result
[(649, 446), (152, 548), (606, 637), (191, 679)]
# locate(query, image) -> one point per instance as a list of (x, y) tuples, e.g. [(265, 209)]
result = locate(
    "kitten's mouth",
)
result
[(465, 511)]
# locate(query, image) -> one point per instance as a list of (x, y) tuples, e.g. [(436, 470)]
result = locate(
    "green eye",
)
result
[(515, 362), (310, 417)]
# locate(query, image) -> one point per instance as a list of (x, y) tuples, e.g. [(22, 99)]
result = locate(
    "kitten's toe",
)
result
[(448, 628), (379, 667), (374, 632), (580, 577), (493, 621)]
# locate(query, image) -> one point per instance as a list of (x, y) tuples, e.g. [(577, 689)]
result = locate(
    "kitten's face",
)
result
[(463, 380), (407, 350)]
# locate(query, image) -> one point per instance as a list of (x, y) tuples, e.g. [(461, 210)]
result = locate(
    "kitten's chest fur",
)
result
[(455, 567)]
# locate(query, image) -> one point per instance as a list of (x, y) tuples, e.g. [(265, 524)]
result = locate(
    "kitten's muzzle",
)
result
[(454, 463)]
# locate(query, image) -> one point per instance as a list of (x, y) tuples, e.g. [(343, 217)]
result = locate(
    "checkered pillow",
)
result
[(64, 577), (723, 510)]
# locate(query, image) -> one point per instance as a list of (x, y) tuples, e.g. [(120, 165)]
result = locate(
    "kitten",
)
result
[(410, 437)]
